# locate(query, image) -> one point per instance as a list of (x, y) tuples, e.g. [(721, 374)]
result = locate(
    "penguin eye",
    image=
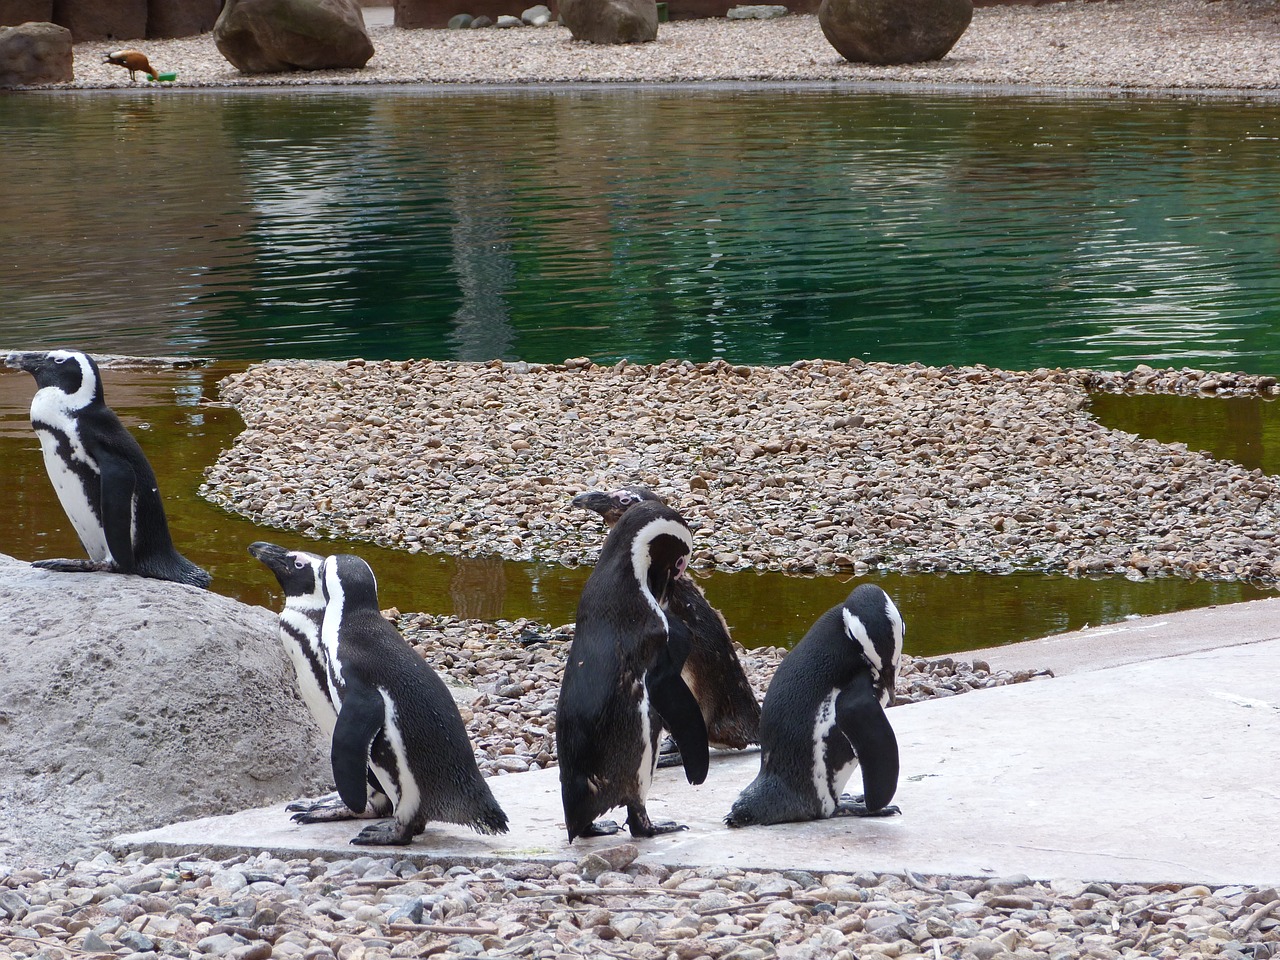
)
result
[(59, 359), (299, 563)]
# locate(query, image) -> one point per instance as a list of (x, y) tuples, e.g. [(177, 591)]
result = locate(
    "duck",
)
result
[(133, 61)]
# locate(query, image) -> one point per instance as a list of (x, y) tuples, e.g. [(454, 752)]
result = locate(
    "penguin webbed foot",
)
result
[(386, 833), (640, 825), (851, 806), (75, 566), (601, 828), (326, 809)]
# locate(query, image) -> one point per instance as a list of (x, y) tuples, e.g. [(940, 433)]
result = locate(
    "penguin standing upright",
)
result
[(388, 690), (712, 672), (101, 476), (622, 678), (824, 713), (321, 687)]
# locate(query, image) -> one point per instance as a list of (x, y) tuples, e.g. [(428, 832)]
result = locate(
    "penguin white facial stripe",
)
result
[(856, 630), (332, 625), (410, 797), (640, 561), (88, 382)]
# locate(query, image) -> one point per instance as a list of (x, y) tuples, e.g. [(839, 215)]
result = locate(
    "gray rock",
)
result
[(460, 21), (152, 701), (894, 31), (756, 11), (33, 53), (610, 21), (273, 36), (506, 22), (479, 23), (536, 16)]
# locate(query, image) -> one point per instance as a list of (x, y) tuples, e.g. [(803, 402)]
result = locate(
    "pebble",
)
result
[(353, 909), (820, 466)]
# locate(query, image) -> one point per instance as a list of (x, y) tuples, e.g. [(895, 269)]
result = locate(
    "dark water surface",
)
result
[(757, 224)]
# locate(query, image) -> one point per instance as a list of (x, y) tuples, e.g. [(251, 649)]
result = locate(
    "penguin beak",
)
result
[(599, 502), (25, 360), (270, 554)]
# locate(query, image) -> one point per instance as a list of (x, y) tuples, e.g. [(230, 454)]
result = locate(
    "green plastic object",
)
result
[(662, 13), (164, 77)]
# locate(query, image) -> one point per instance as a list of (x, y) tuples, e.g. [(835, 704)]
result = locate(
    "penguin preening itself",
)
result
[(320, 684), (712, 672), (133, 61), (388, 690), (622, 679), (824, 714), (101, 476)]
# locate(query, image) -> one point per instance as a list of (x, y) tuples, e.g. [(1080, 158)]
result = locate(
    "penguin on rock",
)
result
[(824, 714), (388, 690), (622, 680), (101, 476), (301, 621), (712, 672)]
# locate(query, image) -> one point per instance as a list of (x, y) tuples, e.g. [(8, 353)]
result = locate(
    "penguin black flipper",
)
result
[(862, 719), (362, 715), (676, 704), (117, 483)]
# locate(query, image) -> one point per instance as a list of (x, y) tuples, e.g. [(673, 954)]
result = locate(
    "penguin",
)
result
[(299, 575), (712, 672), (389, 690), (622, 679), (102, 478), (824, 713)]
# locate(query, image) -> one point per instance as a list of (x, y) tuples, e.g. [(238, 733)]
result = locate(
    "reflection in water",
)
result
[(482, 262), (759, 225)]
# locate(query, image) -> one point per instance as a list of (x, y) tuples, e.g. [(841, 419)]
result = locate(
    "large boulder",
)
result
[(272, 36), (181, 18), (102, 19), (610, 21), (128, 703), (32, 53), (894, 31)]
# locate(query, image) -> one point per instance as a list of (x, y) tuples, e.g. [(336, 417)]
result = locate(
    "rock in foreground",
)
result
[(33, 53), (127, 703)]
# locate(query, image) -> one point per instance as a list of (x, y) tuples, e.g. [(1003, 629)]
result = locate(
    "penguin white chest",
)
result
[(829, 775), (70, 485)]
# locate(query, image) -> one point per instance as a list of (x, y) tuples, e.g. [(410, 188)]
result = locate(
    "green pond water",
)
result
[(758, 224)]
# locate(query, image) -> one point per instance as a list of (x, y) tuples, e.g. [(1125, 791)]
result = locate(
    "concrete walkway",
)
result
[(1155, 758)]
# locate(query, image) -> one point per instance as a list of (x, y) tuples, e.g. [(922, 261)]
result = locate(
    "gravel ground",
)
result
[(1140, 44), (819, 466)]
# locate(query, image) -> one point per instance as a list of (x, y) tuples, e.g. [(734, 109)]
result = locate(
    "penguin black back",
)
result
[(712, 671), (390, 690), (622, 677), (823, 715), (103, 479)]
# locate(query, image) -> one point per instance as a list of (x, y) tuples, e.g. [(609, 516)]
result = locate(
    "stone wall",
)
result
[(116, 19)]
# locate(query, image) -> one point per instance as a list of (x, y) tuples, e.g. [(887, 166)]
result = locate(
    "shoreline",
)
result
[(1077, 47)]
